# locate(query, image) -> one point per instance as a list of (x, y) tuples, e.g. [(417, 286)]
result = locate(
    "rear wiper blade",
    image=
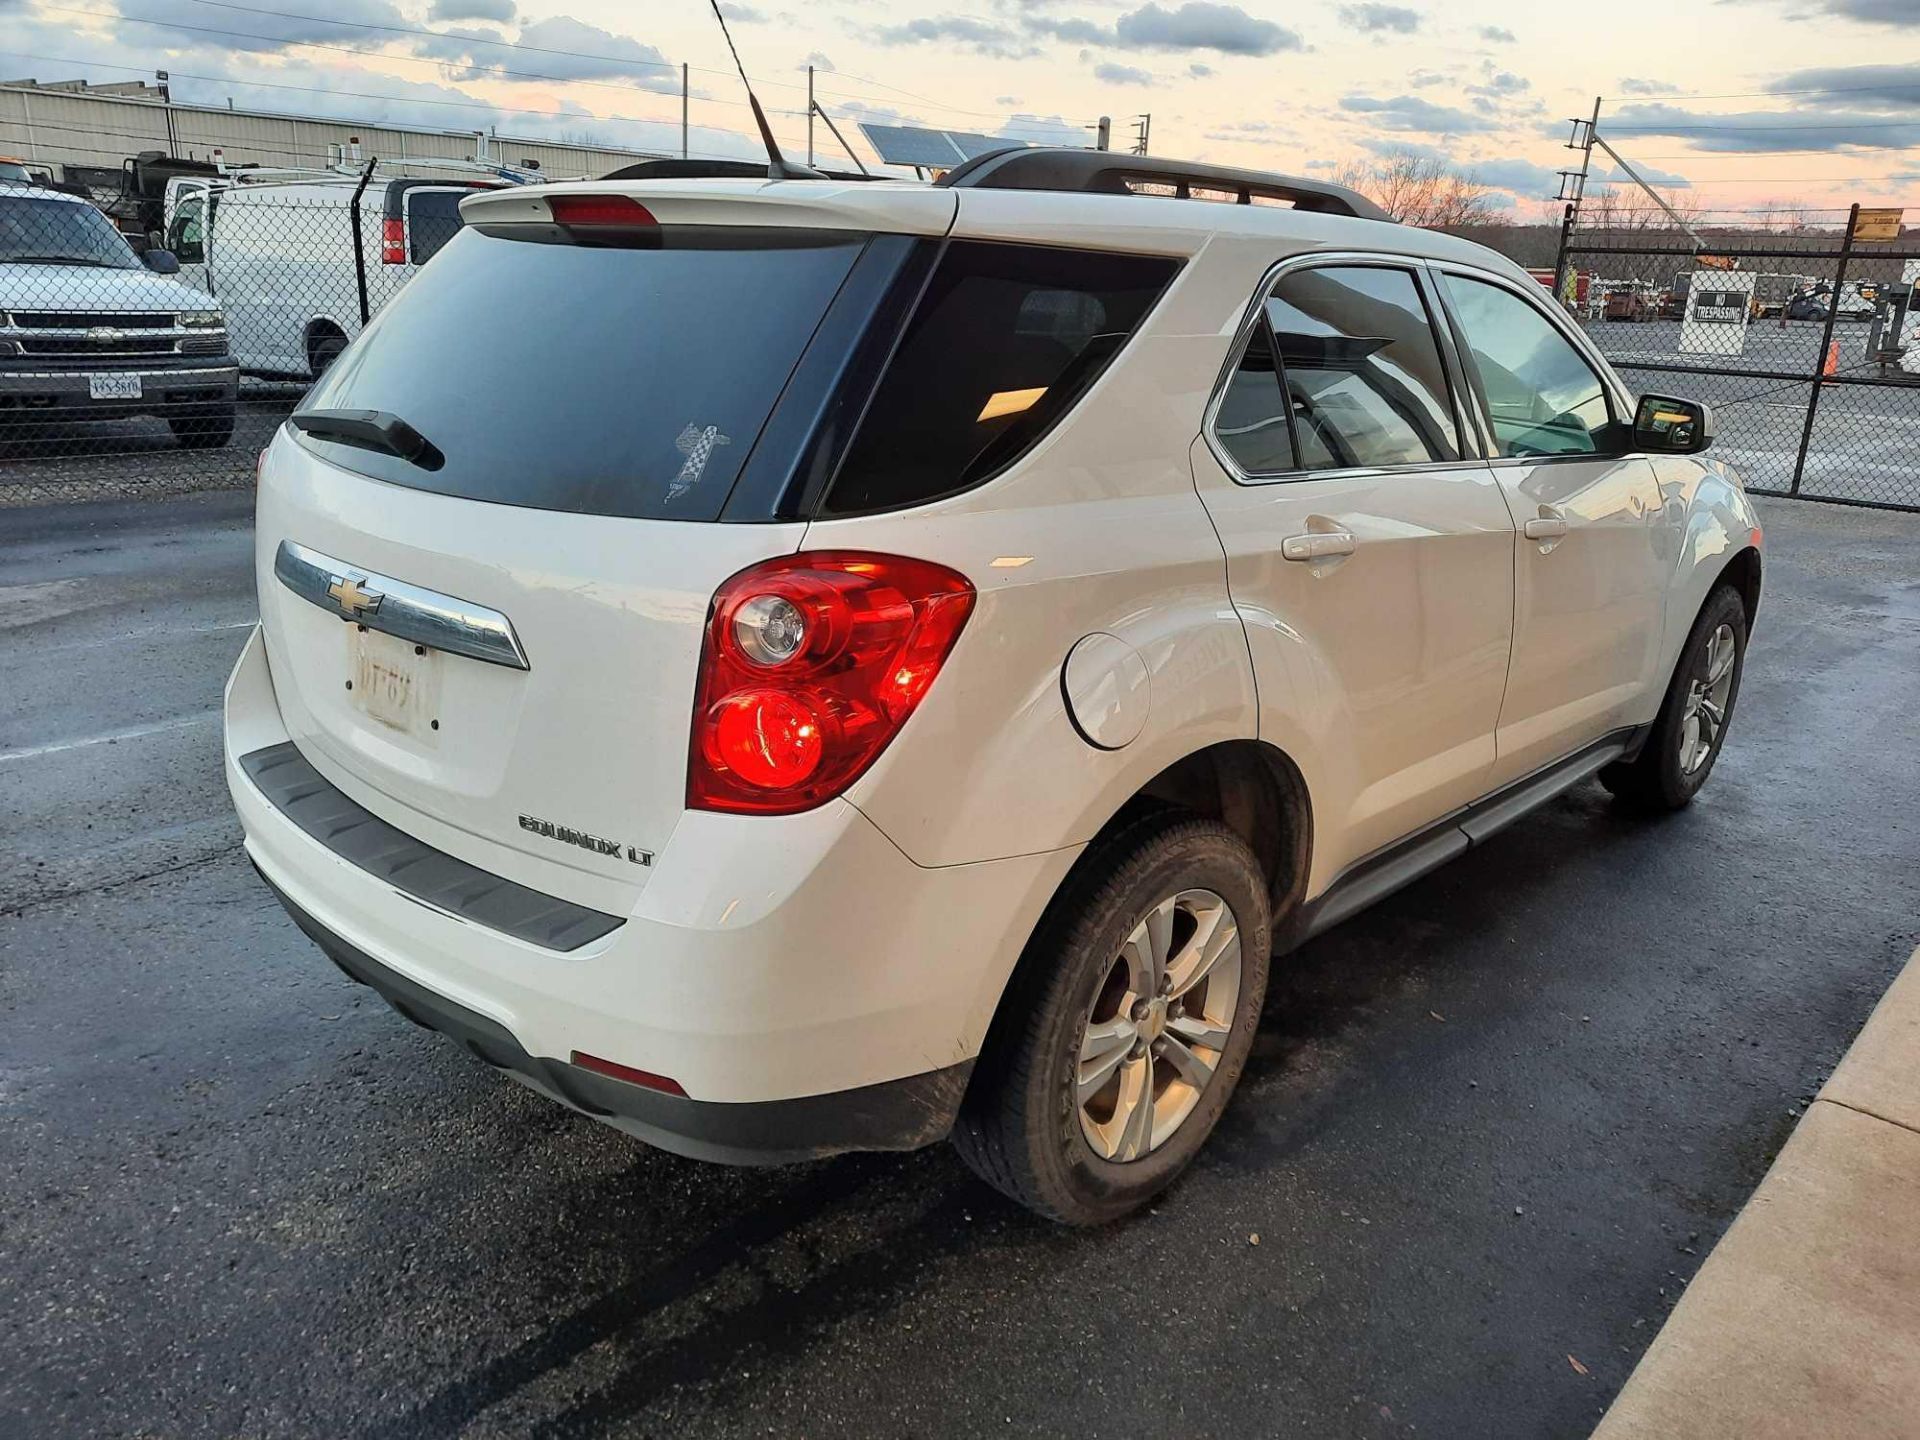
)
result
[(370, 430)]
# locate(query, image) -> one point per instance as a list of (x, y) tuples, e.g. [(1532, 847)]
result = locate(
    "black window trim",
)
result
[(1474, 448), (1619, 401)]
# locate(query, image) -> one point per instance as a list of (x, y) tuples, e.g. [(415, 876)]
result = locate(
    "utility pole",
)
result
[(683, 109), (1142, 130), (166, 104), (1103, 133), (809, 114), (1573, 189), (820, 110)]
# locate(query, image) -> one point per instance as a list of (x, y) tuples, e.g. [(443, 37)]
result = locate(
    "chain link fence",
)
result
[(143, 362), (1805, 343)]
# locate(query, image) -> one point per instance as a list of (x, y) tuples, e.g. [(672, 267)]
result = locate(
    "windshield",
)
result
[(611, 379), (60, 232)]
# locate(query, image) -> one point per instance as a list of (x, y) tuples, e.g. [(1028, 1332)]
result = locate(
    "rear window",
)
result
[(1004, 341), (625, 380), (433, 218)]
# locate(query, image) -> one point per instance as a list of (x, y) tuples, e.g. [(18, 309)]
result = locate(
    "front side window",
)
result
[(1004, 340), (187, 238), (1362, 368), (1542, 397)]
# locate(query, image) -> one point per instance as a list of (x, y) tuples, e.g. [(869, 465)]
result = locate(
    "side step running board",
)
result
[(1398, 866)]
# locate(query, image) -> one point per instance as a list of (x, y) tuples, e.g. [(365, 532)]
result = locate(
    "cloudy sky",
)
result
[(1738, 101)]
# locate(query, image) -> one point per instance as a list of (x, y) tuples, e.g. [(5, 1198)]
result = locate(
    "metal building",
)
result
[(76, 128)]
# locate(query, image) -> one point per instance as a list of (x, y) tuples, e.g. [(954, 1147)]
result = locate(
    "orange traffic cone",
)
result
[(1831, 365)]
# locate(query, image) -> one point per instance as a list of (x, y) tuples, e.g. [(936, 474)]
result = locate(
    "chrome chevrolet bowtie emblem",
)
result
[(352, 600)]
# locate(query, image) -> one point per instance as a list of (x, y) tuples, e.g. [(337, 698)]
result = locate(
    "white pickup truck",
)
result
[(90, 331)]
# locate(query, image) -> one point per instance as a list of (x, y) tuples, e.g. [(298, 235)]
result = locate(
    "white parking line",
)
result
[(170, 631), (159, 727)]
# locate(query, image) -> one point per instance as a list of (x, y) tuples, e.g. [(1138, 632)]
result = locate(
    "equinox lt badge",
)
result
[(585, 841)]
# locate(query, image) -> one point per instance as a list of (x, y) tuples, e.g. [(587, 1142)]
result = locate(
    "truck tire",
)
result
[(203, 427)]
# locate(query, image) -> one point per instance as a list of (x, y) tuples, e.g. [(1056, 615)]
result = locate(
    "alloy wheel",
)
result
[(1704, 720), (1158, 1026)]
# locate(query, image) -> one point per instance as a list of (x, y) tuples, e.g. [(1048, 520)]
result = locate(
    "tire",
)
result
[(323, 351), (1671, 767), (1023, 1128), (203, 427)]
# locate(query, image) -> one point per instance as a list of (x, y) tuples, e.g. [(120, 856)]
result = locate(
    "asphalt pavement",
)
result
[(1489, 1130), (137, 457)]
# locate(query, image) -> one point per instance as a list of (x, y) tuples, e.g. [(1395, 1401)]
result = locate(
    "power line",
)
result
[(1009, 123), (1701, 157), (1663, 97), (360, 94), (437, 63), (603, 59), (441, 35), (1615, 127)]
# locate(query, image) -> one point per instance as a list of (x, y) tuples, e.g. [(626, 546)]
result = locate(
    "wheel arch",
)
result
[(1743, 573), (1256, 790), (321, 327), (1253, 787)]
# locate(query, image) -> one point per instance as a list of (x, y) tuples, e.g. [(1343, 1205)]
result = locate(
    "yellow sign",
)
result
[(1877, 225)]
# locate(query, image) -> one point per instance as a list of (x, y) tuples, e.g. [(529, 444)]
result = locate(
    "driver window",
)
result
[(185, 239), (1542, 397)]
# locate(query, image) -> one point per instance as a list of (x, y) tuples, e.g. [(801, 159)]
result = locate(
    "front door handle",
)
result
[(1547, 527), (1316, 545)]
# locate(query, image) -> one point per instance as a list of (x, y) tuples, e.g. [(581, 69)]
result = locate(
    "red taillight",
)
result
[(599, 210), (393, 241), (812, 663), (615, 1070)]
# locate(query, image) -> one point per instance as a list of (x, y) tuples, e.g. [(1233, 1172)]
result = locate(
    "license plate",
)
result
[(113, 387), (392, 683)]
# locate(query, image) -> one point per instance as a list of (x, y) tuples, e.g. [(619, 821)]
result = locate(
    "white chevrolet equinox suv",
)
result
[(791, 666)]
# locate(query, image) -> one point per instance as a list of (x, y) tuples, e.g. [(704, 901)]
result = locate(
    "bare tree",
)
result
[(1421, 190)]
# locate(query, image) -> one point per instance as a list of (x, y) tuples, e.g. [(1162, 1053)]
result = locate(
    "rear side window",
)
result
[(1542, 397), (1004, 341), (610, 379), (1362, 368), (433, 218), (1252, 419)]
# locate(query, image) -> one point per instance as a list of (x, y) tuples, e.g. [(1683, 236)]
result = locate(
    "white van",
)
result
[(281, 259)]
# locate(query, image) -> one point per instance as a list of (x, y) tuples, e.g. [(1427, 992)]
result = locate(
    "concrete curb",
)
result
[(1805, 1319)]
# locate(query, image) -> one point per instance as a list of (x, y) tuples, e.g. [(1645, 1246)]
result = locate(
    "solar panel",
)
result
[(910, 145), (929, 149), (972, 144)]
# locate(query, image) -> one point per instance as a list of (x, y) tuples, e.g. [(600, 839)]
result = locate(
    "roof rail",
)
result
[(1101, 172), (673, 168)]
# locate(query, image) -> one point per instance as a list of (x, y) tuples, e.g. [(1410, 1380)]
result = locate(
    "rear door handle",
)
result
[(1316, 545), (1545, 528)]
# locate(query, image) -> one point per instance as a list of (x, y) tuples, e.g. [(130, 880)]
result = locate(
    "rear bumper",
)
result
[(808, 986), (897, 1115)]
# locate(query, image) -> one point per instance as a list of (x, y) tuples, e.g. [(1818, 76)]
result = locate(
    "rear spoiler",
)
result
[(896, 208)]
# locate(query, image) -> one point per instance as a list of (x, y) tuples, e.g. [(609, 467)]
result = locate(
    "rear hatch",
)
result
[(596, 402)]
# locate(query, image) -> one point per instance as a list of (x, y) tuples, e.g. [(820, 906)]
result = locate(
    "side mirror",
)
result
[(162, 262), (1667, 425)]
